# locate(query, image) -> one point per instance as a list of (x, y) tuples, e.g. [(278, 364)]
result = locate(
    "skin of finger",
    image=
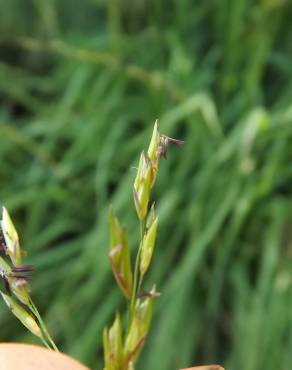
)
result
[(205, 367), (28, 357)]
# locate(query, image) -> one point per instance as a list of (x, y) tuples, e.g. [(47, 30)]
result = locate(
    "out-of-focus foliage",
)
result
[(81, 84)]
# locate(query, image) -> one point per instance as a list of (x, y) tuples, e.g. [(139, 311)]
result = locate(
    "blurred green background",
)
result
[(81, 83)]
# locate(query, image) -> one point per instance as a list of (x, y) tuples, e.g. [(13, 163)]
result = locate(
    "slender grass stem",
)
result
[(45, 343), (138, 279), (35, 311), (135, 282), (140, 282)]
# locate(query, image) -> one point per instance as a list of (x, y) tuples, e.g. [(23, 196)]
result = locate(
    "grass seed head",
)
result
[(148, 244), (120, 255), (142, 186), (11, 238), (139, 328), (27, 320), (113, 345)]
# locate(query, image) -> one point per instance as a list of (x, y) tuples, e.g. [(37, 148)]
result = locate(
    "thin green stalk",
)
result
[(45, 343), (143, 227), (138, 279), (140, 282), (35, 311), (135, 282)]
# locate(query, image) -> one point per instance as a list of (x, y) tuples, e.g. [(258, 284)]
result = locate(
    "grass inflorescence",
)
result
[(122, 346)]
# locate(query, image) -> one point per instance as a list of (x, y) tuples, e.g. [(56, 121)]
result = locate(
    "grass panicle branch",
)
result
[(16, 277), (122, 351)]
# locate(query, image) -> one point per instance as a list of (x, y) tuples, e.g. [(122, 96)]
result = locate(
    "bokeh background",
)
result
[(81, 83)]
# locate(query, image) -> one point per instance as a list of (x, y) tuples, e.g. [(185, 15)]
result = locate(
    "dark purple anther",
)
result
[(23, 269), (21, 274), (151, 294)]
